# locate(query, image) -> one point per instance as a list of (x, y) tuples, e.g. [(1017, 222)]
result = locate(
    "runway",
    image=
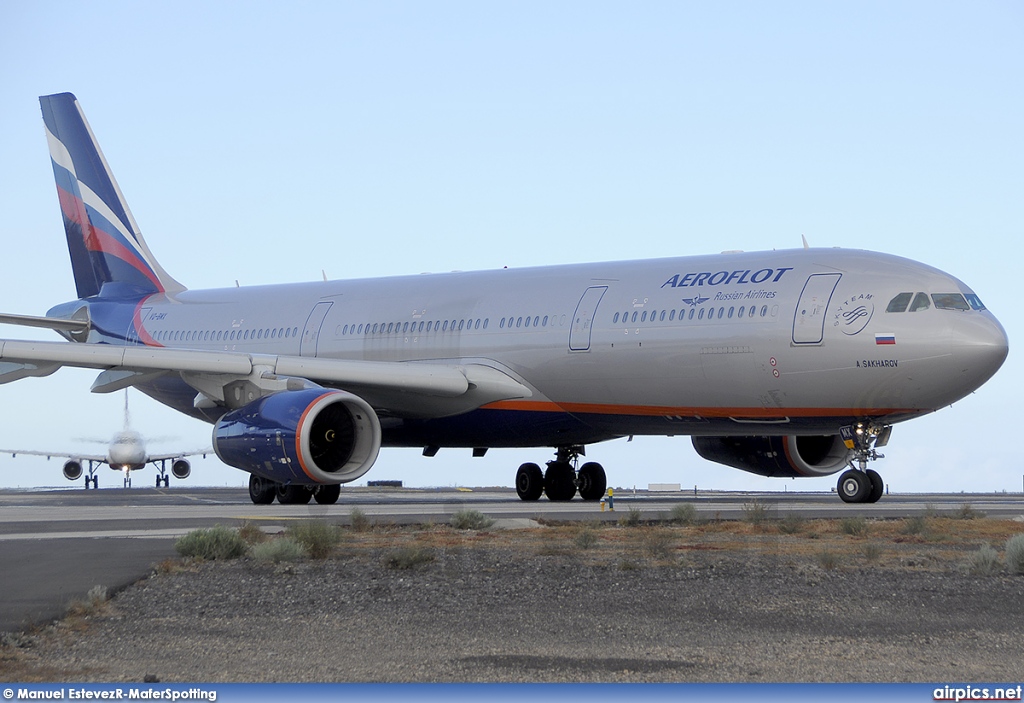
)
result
[(58, 544)]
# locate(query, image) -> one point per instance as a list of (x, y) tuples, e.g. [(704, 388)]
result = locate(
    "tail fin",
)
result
[(108, 254)]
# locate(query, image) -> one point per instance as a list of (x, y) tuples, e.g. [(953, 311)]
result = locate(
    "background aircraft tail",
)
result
[(108, 254)]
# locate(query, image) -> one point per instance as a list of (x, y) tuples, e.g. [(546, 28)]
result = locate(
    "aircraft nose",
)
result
[(979, 346)]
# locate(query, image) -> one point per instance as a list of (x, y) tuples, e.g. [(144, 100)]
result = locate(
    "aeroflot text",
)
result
[(725, 278)]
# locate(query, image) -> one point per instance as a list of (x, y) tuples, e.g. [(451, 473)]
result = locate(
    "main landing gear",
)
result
[(562, 480), (860, 484), (262, 491)]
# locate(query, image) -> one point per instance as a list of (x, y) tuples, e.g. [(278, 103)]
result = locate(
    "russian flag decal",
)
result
[(885, 338)]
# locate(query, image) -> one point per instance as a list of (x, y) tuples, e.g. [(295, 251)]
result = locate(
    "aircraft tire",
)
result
[(261, 491), (854, 486), (529, 482), (327, 495), (560, 481), (877, 486), (592, 481), (293, 495)]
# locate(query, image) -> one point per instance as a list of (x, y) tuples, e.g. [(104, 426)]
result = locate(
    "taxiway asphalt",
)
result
[(56, 545)]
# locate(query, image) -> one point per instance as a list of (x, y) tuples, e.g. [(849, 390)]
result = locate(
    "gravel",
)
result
[(480, 611)]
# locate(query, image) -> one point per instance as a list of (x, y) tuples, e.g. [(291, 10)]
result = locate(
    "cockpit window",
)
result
[(975, 301), (921, 302), (950, 301), (899, 303)]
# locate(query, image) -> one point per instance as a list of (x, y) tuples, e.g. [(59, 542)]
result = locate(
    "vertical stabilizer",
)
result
[(108, 254)]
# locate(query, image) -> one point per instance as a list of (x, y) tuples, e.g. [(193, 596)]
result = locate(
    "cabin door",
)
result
[(582, 321), (809, 319), (311, 332)]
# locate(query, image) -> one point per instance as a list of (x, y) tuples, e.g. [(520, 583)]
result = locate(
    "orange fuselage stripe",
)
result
[(664, 411)]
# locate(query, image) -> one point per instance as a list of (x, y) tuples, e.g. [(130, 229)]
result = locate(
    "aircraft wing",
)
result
[(77, 457), (406, 388), (179, 455)]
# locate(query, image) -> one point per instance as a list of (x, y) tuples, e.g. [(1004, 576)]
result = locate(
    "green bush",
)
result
[(791, 524), (915, 525), (586, 538), (359, 521), (967, 512), (757, 513), (408, 557), (471, 520), (683, 514), (872, 551), (218, 542), (827, 559), (856, 526), (632, 518), (1015, 554), (316, 537), (984, 562), (278, 550)]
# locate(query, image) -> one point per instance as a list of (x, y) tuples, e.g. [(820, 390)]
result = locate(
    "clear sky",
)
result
[(271, 142)]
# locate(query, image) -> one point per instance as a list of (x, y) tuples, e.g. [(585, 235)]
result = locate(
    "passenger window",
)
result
[(739, 313), (671, 314), (950, 301), (764, 310), (519, 322), (721, 311), (690, 316), (461, 323), (700, 315), (643, 317), (486, 320), (444, 327), (634, 315), (536, 321), (731, 310), (661, 318), (921, 302), (614, 319), (899, 303)]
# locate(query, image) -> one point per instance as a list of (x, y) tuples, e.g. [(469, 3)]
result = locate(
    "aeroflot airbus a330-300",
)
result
[(781, 363)]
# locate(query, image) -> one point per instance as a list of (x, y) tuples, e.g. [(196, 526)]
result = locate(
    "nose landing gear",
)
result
[(859, 484)]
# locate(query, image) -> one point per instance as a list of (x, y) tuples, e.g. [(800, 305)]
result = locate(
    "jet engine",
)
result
[(72, 470), (790, 456), (312, 436), (181, 468)]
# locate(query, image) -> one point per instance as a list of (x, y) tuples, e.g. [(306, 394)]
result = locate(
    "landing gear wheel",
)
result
[(592, 481), (877, 486), (261, 490), (529, 482), (560, 481), (327, 495), (854, 486), (293, 495)]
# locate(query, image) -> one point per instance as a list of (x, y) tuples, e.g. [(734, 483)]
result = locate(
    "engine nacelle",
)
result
[(312, 436), (790, 456), (72, 469), (181, 468)]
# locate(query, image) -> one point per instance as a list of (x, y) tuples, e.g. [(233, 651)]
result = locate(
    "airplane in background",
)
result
[(125, 453), (780, 363)]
